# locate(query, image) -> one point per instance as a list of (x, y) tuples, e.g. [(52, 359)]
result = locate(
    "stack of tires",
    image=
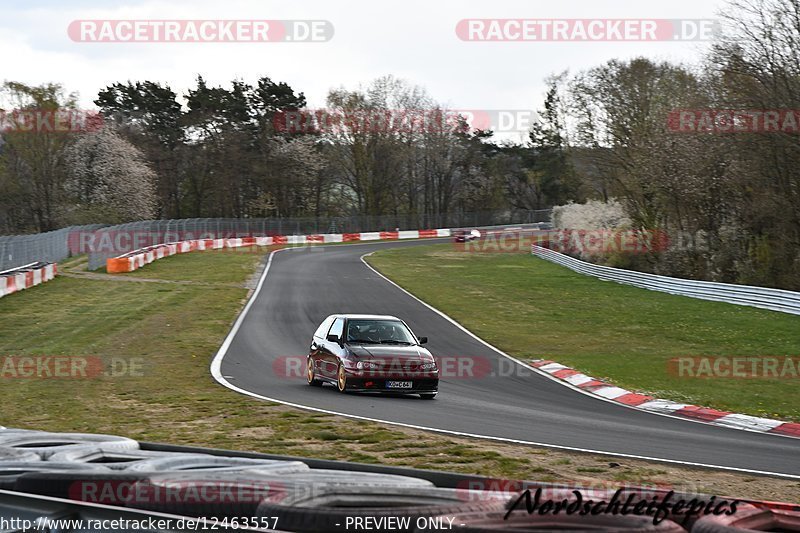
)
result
[(291, 496), (111, 470)]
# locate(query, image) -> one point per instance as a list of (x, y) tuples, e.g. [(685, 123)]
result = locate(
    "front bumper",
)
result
[(375, 382)]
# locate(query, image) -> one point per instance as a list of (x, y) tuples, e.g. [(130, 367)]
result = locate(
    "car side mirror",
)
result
[(333, 338), (423, 340)]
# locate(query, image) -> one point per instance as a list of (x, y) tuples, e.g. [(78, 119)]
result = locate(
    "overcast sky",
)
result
[(412, 39)]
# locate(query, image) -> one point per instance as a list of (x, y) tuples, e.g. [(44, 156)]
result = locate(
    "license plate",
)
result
[(398, 384)]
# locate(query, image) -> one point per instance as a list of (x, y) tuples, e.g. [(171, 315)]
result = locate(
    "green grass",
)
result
[(533, 309)]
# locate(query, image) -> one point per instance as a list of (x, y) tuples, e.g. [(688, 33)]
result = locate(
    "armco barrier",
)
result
[(139, 258), (25, 277), (762, 297)]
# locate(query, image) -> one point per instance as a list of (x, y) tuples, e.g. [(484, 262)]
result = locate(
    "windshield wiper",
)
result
[(362, 341), (393, 341)]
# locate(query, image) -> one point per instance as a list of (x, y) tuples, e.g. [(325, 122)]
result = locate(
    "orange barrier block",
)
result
[(115, 265)]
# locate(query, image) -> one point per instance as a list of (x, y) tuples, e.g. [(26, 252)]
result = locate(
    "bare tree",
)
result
[(32, 176)]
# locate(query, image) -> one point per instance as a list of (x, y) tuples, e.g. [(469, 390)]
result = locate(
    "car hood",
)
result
[(390, 351)]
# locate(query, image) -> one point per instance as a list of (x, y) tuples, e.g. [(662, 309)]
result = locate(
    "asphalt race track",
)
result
[(305, 285)]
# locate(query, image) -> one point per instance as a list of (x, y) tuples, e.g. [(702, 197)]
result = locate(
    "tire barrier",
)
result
[(600, 388), (199, 494), (750, 518), (11, 472), (113, 459), (46, 444), (144, 256), (252, 486), (84, 483), (85, 470), (362, 479), (8, 455), (25, 277), (171, 463)]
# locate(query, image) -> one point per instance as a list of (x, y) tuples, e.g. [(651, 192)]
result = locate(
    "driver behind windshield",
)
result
[(378, 332)]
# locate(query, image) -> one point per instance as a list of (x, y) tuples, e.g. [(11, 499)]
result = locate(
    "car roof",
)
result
[(351, 315)]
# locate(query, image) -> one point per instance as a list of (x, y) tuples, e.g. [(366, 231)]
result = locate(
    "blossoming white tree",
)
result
[(593, 215), (109, 178)]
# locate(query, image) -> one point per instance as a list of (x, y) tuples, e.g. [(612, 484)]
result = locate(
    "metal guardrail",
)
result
[(762, 297)]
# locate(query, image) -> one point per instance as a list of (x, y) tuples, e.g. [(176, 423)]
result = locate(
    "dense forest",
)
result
[(606, 134)]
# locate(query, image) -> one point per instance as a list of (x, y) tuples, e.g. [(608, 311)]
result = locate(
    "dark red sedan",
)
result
[(371, 353)]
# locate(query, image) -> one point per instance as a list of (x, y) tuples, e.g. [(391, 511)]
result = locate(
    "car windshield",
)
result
[(371, 331)]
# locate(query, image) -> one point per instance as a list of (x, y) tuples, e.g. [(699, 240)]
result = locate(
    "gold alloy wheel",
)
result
[(341, 380), (311, 375)]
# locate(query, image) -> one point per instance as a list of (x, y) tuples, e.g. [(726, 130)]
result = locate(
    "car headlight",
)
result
[(366, 365), (428, 366)]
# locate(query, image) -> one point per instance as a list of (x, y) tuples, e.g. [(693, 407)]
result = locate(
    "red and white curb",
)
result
[(21, 278), (139, 258), (648, 403)]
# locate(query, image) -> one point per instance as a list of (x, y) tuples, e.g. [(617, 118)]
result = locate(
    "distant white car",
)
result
[(463, 235)]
